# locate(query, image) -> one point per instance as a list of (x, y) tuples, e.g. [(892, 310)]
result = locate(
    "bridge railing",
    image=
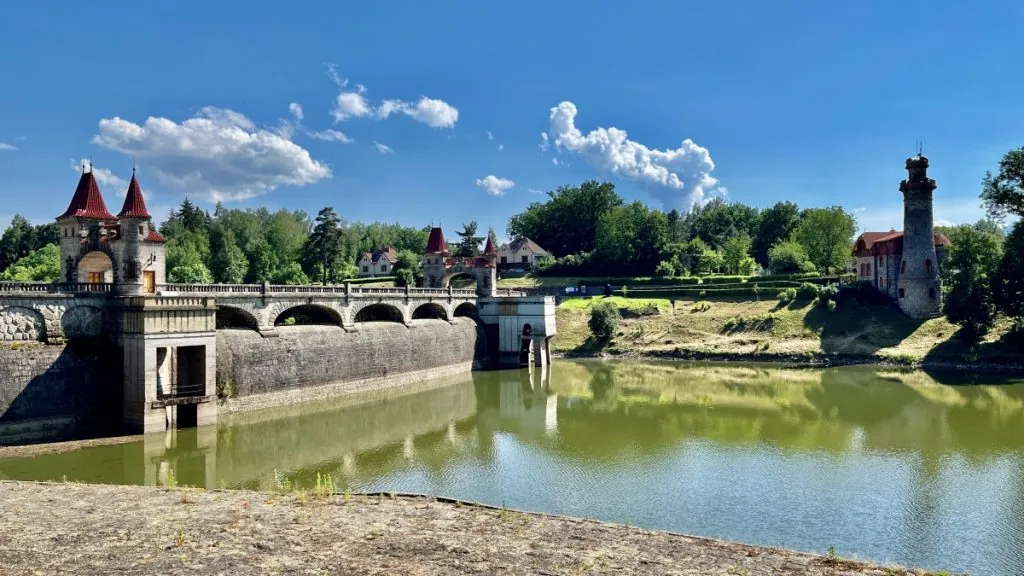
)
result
[(212, 288), (55, 287)]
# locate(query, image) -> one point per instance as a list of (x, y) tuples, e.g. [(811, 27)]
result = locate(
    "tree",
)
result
[(632, 239), (718, 220), (185, 264), (604, 320), (1009, 284), (788, 258), (774, 225), (263, 266), (42, 265), (674, 218), (492, 236), (16, 241), (228, 263), (469, 243), (734, 252), (324, 242), (407, 268), (827, 236), (1003, 194), (973, 259), (567, 222), (291, 274)]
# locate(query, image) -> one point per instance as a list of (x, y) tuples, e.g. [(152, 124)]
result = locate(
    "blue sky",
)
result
[(814, 102)]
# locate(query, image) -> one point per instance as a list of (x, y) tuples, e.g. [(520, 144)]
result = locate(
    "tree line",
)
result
[(593, 230)]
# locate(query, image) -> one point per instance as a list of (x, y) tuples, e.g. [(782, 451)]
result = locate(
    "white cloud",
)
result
[(493, 185), (534, 191), (544, 144), (8, 147), (501, 147), (678, 177), (430, 111), (331, 135), (296, 109), (383, 148), (219, 153), (351, 105), (555, 161), (104, 177), (489, 135), (943, 222)]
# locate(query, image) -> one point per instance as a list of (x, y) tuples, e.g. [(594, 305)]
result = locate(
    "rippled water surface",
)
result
[(891, 466)]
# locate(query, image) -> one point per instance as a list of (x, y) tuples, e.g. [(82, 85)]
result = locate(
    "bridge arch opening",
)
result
[(461, 281), (430, 311), (467, 310), (308, 315), (95, 268), (379, 313), (231, 317)]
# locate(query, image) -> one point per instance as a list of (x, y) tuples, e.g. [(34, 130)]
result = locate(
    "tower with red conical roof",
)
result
[(143, 248)]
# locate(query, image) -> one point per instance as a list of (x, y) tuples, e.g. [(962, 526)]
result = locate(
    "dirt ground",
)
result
[(88, 529)]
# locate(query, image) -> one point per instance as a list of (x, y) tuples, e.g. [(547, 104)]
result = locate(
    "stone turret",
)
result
[(919, 292), (80, 228), (434, 265), (135, 224)]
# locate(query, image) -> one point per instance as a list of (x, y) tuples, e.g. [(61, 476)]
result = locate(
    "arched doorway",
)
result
[(95, 268)]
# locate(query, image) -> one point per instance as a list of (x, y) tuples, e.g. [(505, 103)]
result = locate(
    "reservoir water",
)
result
[(892, 466)]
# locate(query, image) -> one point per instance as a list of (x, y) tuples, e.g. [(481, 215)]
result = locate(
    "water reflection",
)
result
[(888, 465)]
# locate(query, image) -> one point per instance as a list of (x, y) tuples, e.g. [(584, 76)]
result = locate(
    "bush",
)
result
[(405, 277), (787, 295), (831, 305), (807, 291), (665, 269), (828, 294), (604, 320), (788, 258), (760, 323)]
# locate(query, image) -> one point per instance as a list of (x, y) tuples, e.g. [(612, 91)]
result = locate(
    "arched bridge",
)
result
[(39, 311)]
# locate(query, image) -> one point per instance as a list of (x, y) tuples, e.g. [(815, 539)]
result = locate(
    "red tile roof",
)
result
[(155, 236), (872, 238), (489, 248), (134, 203), (87, 201), (436, 243)]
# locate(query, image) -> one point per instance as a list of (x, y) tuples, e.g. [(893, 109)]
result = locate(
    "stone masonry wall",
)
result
[(308, 362), (56, 391)]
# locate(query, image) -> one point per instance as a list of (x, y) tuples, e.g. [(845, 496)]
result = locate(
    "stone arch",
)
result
[(430, 311), (466, 309), (307, 315), (379, 312), (460, 275), (234, 317), (82, 322), (20, 323)]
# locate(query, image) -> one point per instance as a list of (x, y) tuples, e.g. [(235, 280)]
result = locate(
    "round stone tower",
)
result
[(919, 292)]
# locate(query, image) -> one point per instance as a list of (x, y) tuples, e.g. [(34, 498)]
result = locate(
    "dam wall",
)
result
[(305, 363)]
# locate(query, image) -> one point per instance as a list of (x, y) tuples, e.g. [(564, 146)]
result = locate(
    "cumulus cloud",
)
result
[(679, 177), (351, 104), (383, 148), (296, 109), (331, 136), (493, 185), (430, 111), (534, 191), (218, 153), (8, 147)]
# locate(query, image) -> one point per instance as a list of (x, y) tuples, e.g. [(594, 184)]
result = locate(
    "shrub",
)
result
[(604, 320), (828, 294), (831, 305), (665, 269), (807, 291), (405, 277), (787, 295), (760, 322), (788, 258)]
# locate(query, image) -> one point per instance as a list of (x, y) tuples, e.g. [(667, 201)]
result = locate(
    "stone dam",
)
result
[(82, 360)]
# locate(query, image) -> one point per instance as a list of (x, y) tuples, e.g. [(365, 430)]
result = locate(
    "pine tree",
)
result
[(325, 241), (469, 245)]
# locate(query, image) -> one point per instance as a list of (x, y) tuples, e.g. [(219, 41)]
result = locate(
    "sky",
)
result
[(446, 112)]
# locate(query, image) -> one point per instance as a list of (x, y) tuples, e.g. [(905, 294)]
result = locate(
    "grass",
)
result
[(798, 329)]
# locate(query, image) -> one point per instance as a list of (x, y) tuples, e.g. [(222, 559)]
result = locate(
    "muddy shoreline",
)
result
[(91, 529)]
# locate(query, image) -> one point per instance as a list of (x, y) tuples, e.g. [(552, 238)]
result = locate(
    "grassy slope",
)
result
[(797, 330)]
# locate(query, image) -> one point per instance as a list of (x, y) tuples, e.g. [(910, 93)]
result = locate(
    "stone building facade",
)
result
[(905, 265), (100, 248)]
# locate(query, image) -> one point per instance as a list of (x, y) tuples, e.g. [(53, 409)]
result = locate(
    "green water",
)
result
[(891, 466)]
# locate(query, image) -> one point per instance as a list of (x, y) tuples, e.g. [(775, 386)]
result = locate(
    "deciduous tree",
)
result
[(827, 236)]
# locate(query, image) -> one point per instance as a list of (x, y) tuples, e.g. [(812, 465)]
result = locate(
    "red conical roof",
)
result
[(134, 204), (87, 201), (436, 243), (489, 248)]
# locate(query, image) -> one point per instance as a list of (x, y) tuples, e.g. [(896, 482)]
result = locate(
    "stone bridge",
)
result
[(53, 312)]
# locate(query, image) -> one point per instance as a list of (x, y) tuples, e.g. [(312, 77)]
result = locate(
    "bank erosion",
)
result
[(135, 530)]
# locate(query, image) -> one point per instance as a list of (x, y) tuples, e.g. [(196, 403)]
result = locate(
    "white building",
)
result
[(520, 253), (380, 262)]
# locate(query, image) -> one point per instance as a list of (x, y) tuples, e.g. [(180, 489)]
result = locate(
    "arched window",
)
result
[(931, 293), (928, 266), (903, 267), (901, 292)]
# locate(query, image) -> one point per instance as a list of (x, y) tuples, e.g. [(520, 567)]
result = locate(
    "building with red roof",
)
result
[(98, 247)]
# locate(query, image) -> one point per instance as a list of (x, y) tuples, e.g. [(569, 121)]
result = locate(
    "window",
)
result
[(383, 267), (931, 293), (504, 259), (140, 231), (526, 259), (867, 267), (366, 269), (903, 270), (901, 292), (928, 267)]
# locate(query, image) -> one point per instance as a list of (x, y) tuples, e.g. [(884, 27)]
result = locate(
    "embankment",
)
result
[(48, 391), (317, 362), (133, 530)]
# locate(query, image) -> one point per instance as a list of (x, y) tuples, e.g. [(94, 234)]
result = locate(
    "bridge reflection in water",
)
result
[(888, 465)]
